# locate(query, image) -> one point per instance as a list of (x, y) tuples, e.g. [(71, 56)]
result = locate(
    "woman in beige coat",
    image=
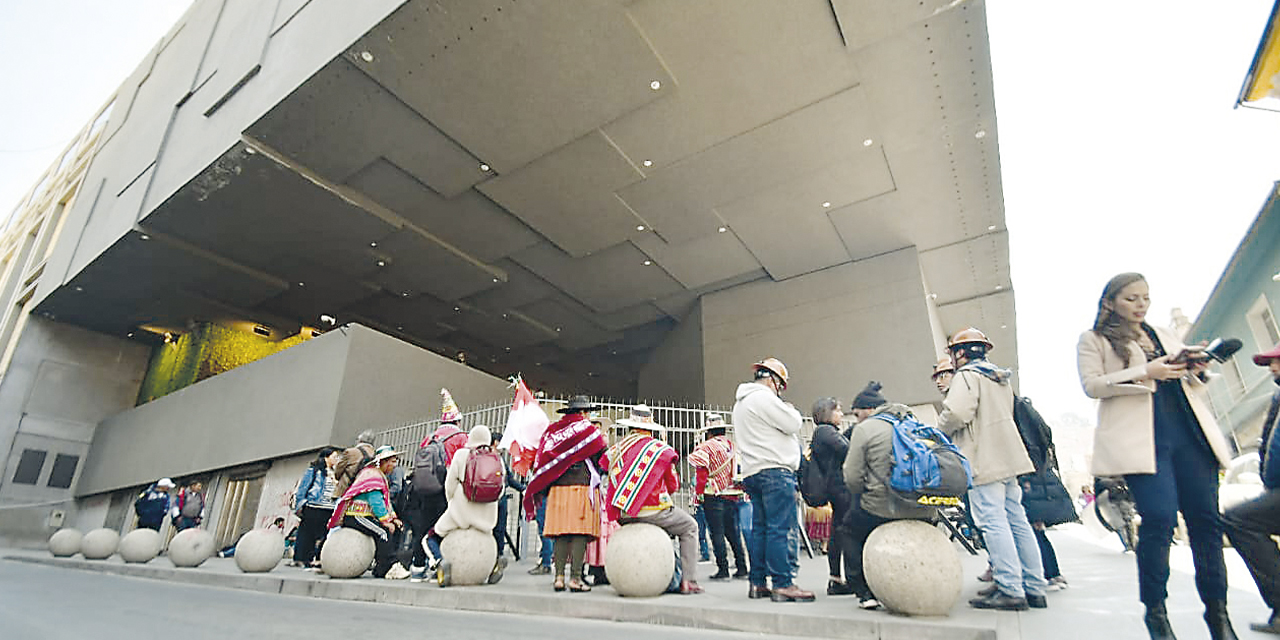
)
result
[(463, 513), (1155, 430)]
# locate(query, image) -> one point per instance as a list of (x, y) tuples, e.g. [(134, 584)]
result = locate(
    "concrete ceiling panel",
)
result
[(573, 329), (238, 43), (285, 11), (341, 120), (469, 221), (994, 314), (568, 197), (640, 314), (968, 269), (416, 264), (863, 23), (879, 225), (768, 59), (606, 281), (702, 260), (521, 288), (524, 104), (677, 200), (505, 330)]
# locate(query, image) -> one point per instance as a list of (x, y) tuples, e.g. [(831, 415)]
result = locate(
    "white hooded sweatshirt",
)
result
[(766, 430)]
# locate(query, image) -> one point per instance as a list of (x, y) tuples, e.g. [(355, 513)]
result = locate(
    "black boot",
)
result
[(1215, 613), (1157, 620)]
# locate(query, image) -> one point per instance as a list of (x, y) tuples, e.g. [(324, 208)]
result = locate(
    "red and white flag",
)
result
[(525, 427)]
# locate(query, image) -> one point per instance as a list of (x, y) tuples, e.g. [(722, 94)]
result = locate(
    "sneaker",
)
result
[(417, 574), (1057, 584), (839, 588), (869, 603), (444, 573), (540, 570), (495, 576), (397, 572), (1037, 602), (722, 574), (1000, 601)]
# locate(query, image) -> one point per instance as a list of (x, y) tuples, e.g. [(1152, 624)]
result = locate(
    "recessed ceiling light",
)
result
[(404, 294), (504, 315), (457, 308), (826, 205), (868, 142), (327, 319), (933, 296), (484, 167), (366, 56), (79, 288), (980, 134), (250, 150), (400, 328), (508, 348), (302, 284), (991, 227), (557, 329), (382, 263), (648, 262), (722, 229), (999, 287), (129, 335), (495, 279), (373, 244), (647, 163), (655, 85), (639, 227), (145, 237), (1004, 326)]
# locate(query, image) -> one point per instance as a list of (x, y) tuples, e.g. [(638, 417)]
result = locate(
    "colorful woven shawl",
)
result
[(369, 479), (566, 442), (716, 456), (636, 467)]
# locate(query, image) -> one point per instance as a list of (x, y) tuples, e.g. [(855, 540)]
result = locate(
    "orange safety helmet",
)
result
[(969, 336), (944, 366), (774, 366)]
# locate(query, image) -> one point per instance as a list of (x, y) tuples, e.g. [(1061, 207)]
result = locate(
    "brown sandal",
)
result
[(577, 586), (559, 583)]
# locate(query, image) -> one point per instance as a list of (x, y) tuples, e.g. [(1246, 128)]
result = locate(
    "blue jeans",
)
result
[(773, 519), (744, 517), (700, 516), (544, 552), (1011, 544)]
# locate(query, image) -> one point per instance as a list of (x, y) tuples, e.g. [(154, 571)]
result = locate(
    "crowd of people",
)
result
[(1154, 433)]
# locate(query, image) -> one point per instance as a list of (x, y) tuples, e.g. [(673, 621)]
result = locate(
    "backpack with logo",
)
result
[(813, 482), (485, 475), (430, 464), (1035, 432), (926, 465)]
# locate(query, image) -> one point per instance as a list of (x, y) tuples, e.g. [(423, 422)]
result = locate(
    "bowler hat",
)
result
[(579, 404)]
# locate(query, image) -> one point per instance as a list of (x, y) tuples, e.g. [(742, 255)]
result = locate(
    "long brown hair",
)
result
[(1107, 324)]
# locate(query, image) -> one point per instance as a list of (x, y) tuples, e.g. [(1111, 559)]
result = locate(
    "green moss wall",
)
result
[(206, 351)]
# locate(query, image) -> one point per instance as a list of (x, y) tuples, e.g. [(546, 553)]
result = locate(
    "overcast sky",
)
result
[(1119, 144)]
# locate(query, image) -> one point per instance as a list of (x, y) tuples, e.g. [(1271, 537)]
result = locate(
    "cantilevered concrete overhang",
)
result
[(548, 187)]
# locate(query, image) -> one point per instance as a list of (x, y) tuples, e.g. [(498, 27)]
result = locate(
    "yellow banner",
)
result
[(1264, 77)]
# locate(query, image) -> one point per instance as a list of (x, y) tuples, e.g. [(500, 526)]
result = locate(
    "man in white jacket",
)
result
[(767, 437)]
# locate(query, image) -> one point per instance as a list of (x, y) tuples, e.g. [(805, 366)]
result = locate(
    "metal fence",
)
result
[(682, 424)]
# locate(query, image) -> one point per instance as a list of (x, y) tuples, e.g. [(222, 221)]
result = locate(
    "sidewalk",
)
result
[(1101, 602)]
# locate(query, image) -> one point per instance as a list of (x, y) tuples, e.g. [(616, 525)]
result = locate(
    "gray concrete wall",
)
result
[(674, 372), (276, 406), (835, 329), (163, 127), (388, 381), (61, 382)]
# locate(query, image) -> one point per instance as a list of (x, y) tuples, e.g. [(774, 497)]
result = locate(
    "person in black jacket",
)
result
[(829, 448)]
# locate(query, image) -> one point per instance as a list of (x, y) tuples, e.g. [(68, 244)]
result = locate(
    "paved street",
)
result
[(38, 602)]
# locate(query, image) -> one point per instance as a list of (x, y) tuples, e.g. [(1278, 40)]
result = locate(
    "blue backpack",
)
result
[(927, 468)]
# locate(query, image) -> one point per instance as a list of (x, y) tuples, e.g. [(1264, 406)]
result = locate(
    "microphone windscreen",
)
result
[(1224, 348)]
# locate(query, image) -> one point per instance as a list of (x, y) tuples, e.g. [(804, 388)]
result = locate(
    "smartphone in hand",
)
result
[(1190, 355)]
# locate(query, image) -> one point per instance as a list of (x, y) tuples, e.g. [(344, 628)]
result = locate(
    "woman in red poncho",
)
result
[(565, 473)]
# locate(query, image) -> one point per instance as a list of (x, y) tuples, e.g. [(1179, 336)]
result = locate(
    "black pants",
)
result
[(423, 512), (1250, 526), (840, 561), (384, 554), (1048, 557), (312, 529), (861, 524), (722, 519)]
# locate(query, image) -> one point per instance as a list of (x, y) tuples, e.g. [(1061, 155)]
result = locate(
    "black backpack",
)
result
[(1035, 432), (813, 482), (430, 466)]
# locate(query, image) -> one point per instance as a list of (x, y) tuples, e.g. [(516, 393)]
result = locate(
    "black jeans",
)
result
[(423, 512), (722, 519), (1250, 526), (312, 529), (1048, 557), (840, 561), (861, 524)]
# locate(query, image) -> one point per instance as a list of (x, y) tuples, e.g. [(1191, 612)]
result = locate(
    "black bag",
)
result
[(1046, 499), (430, 464), (1037, 437), (813, 482)]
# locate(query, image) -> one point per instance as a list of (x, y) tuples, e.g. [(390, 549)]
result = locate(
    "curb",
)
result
[(796, 622)]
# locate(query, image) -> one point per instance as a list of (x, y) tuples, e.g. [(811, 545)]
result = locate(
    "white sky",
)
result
[(1119, 145)]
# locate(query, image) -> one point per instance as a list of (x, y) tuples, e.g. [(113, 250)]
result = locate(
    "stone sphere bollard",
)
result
[(191, 548), (912, 568), (140, 545), (639, 561), (346, 553), (470, 554), (65, 543), (259, 550), (99, 544)]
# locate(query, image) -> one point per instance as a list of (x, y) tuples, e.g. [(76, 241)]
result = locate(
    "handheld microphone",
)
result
[(1221, 349)]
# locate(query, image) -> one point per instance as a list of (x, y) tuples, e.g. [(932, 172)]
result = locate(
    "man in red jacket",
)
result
[(714, 465), (642, 476)]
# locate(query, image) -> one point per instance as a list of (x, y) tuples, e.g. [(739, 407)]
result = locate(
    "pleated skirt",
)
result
[(570, 511)]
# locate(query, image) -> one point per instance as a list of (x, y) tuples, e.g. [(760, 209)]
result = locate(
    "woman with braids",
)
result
[(565, 472), (1156, 431)]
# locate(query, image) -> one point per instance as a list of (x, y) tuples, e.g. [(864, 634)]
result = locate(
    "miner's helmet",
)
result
[(943, 366), (775, 367), (969, 336)]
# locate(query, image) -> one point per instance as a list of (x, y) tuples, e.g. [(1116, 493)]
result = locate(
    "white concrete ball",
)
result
[(140, 545), (471, 555), (912, 568), (639, 561), (99, 544), (346, 553), (191, 548), (65, 543), (259, 551)]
